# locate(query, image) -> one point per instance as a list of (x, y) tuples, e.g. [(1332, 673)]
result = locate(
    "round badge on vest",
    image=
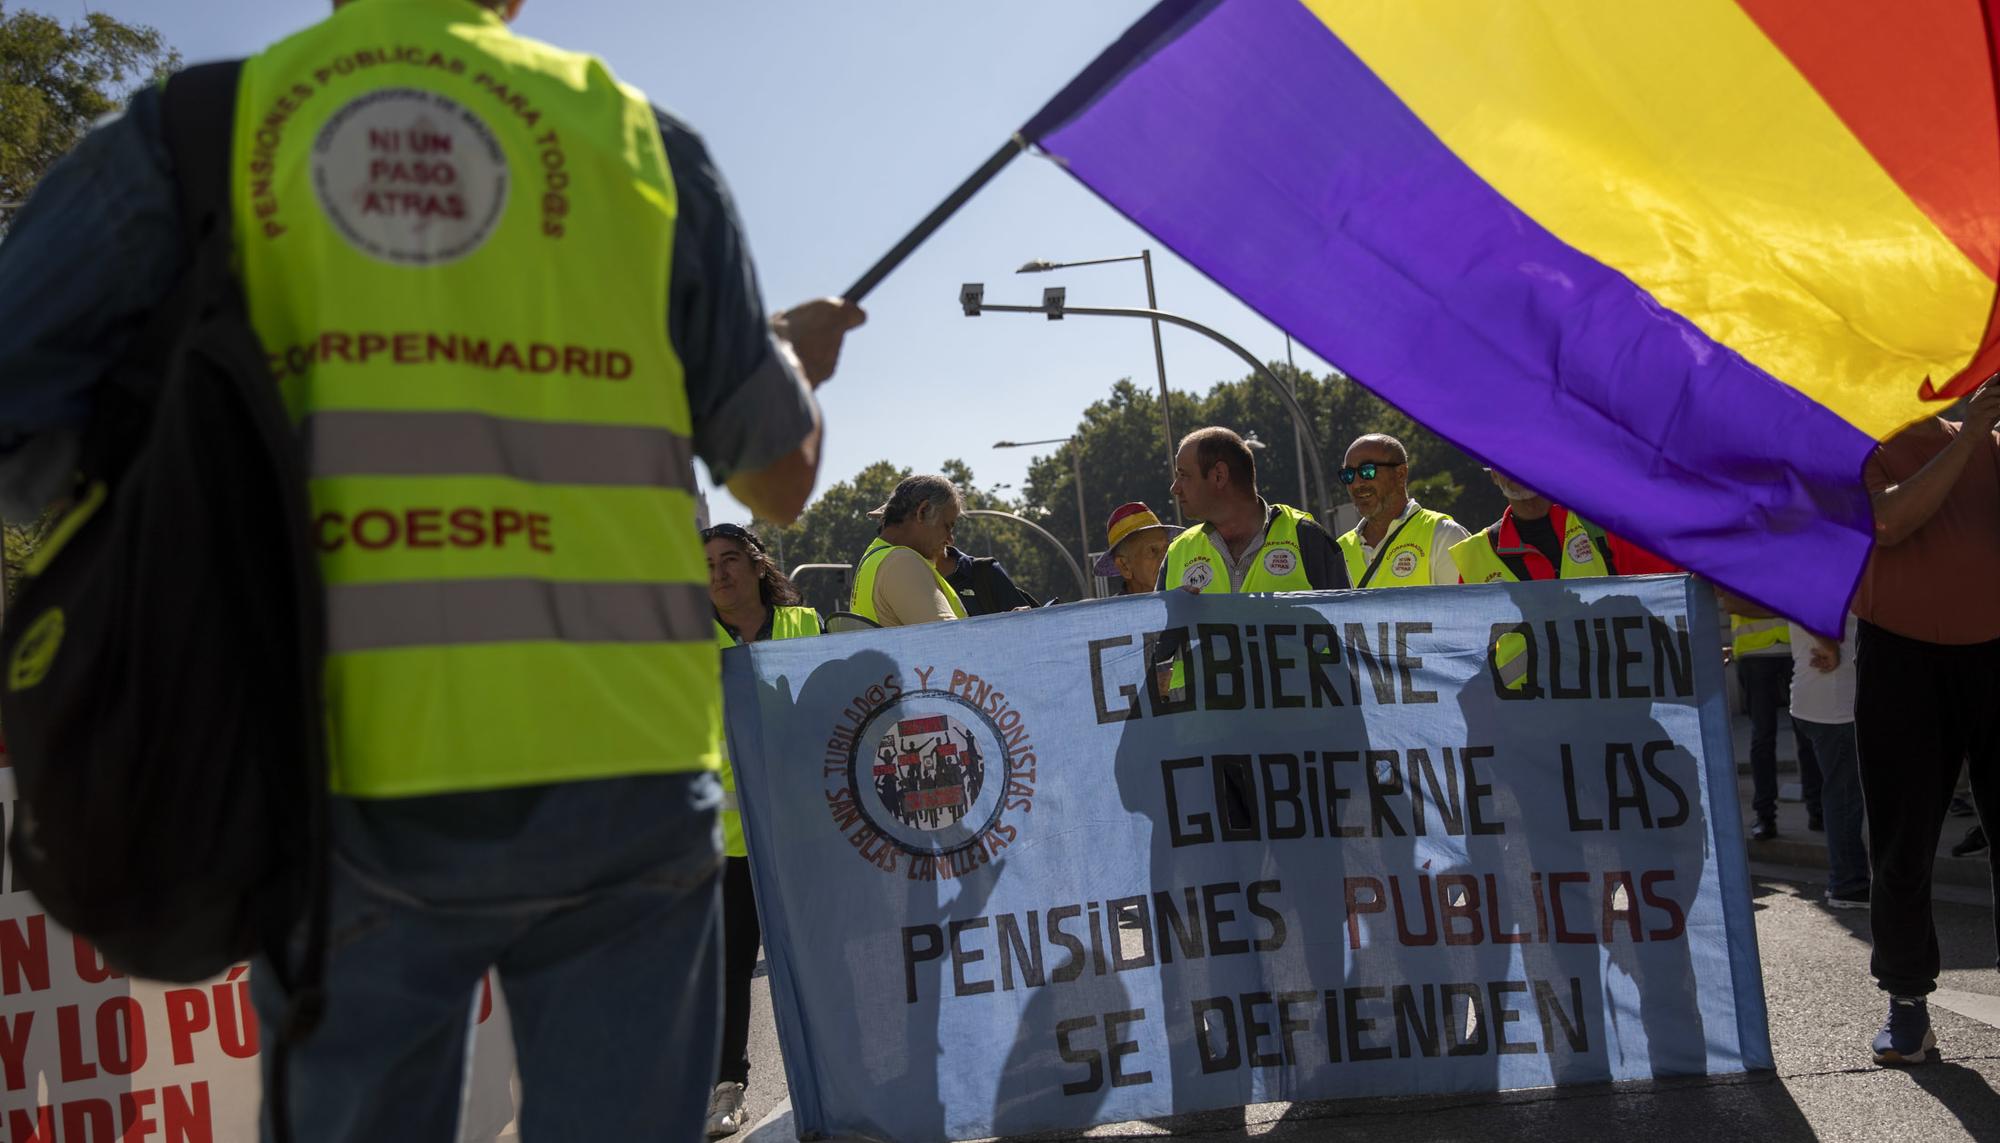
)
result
[(1199, 575), (410, 177), (1580, 548), (1403, 564), (1281, 561)]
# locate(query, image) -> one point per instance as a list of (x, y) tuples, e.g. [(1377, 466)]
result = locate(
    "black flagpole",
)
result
[(915, 238)]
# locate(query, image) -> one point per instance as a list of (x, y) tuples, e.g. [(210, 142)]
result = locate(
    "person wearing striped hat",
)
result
[(1136, 546)]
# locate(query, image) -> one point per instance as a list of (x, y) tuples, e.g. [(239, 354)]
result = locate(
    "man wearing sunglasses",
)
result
[(1398, 543), (1243, 543)]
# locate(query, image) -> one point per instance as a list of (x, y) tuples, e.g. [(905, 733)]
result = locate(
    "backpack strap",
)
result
[(198, 116), (198, 119), (1375, 565), (192, 105)]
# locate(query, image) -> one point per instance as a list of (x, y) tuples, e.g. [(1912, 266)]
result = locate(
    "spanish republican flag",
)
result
[(1679, 263)]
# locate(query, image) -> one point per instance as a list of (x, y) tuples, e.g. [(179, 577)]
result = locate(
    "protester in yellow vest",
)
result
[(1398, 543), (1241, 542), (753, 601), (896, 581), (508, 304), (1760, 650), (1536, 540)]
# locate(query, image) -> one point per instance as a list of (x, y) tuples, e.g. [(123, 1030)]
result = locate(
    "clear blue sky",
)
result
[(838, 125)]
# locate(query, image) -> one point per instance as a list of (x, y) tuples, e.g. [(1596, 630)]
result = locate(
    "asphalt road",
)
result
[(1824, 1009)]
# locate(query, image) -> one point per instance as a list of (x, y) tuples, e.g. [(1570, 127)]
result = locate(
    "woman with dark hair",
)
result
[(753, 601)]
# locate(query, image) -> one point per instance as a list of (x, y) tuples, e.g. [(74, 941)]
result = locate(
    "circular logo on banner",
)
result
[(1281, 561), (410, 177), (1198, 575), (1580, 548), (1403, 564), (930, 773)]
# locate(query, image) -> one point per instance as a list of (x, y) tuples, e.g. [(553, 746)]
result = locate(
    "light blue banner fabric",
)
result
[(1144, 856)]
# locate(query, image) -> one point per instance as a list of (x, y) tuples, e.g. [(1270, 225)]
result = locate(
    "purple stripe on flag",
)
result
[(1259, 148)]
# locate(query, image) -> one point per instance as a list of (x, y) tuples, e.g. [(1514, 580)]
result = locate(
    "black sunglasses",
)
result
[(735, 532), (1366, 470)]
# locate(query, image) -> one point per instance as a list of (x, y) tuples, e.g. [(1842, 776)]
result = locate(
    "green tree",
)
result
[(1122, 451), (1122, 457), (55, 81), (1118, 446), (836, 528)]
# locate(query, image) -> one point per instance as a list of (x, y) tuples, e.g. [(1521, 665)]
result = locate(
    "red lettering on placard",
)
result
[(187, 1013), (133, 1122), (14, 1049), (69, 1046), (88, 1119), (90, 967), (235, 1018), (121, 1036), (24, 954), (40, 1129), (185, 1113)]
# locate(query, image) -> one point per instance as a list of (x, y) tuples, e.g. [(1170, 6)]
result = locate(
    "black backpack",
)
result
[(162, 697)]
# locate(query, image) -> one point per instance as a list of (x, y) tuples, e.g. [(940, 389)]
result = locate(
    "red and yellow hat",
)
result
[(1127, 520)]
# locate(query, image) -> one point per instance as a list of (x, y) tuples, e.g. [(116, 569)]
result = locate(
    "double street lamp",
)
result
[(1145, 259), (1076, 471)]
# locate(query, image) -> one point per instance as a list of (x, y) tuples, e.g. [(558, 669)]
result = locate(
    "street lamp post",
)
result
[(1145, 259), (972, 299), (1082, 581), (1076, 469)]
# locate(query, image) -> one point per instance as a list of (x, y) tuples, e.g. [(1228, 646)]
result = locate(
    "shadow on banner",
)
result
[(1140, 857)]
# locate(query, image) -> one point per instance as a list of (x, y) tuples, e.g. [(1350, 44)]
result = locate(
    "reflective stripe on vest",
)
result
[(786, 623), (1195, 558), (1478, 556), (1510, 660), (863, 603), (1751, 635), (455, 245), (1408, 561)]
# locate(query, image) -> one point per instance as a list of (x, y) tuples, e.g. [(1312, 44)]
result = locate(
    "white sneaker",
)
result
[(725, 1109)]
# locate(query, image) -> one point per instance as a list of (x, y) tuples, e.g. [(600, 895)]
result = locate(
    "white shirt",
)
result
[(1447, 533), (1822, 696)]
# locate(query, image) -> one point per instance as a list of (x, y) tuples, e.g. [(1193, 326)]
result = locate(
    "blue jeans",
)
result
[(596, 901), (1833, 744)]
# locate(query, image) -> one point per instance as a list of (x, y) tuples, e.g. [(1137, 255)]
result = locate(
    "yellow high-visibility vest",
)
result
[(455, 245), (1195, 558), (786, 623), (1749, 635), (863, 603), (1478, 555), (1407, 563)]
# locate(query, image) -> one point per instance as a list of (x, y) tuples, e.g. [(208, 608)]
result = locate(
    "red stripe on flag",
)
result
[(1915, 83)]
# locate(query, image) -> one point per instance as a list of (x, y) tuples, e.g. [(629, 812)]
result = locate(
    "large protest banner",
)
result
[(89, 1056), (1153, 855)]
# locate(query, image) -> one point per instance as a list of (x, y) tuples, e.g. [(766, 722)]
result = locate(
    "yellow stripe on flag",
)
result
[(1675, 143)]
